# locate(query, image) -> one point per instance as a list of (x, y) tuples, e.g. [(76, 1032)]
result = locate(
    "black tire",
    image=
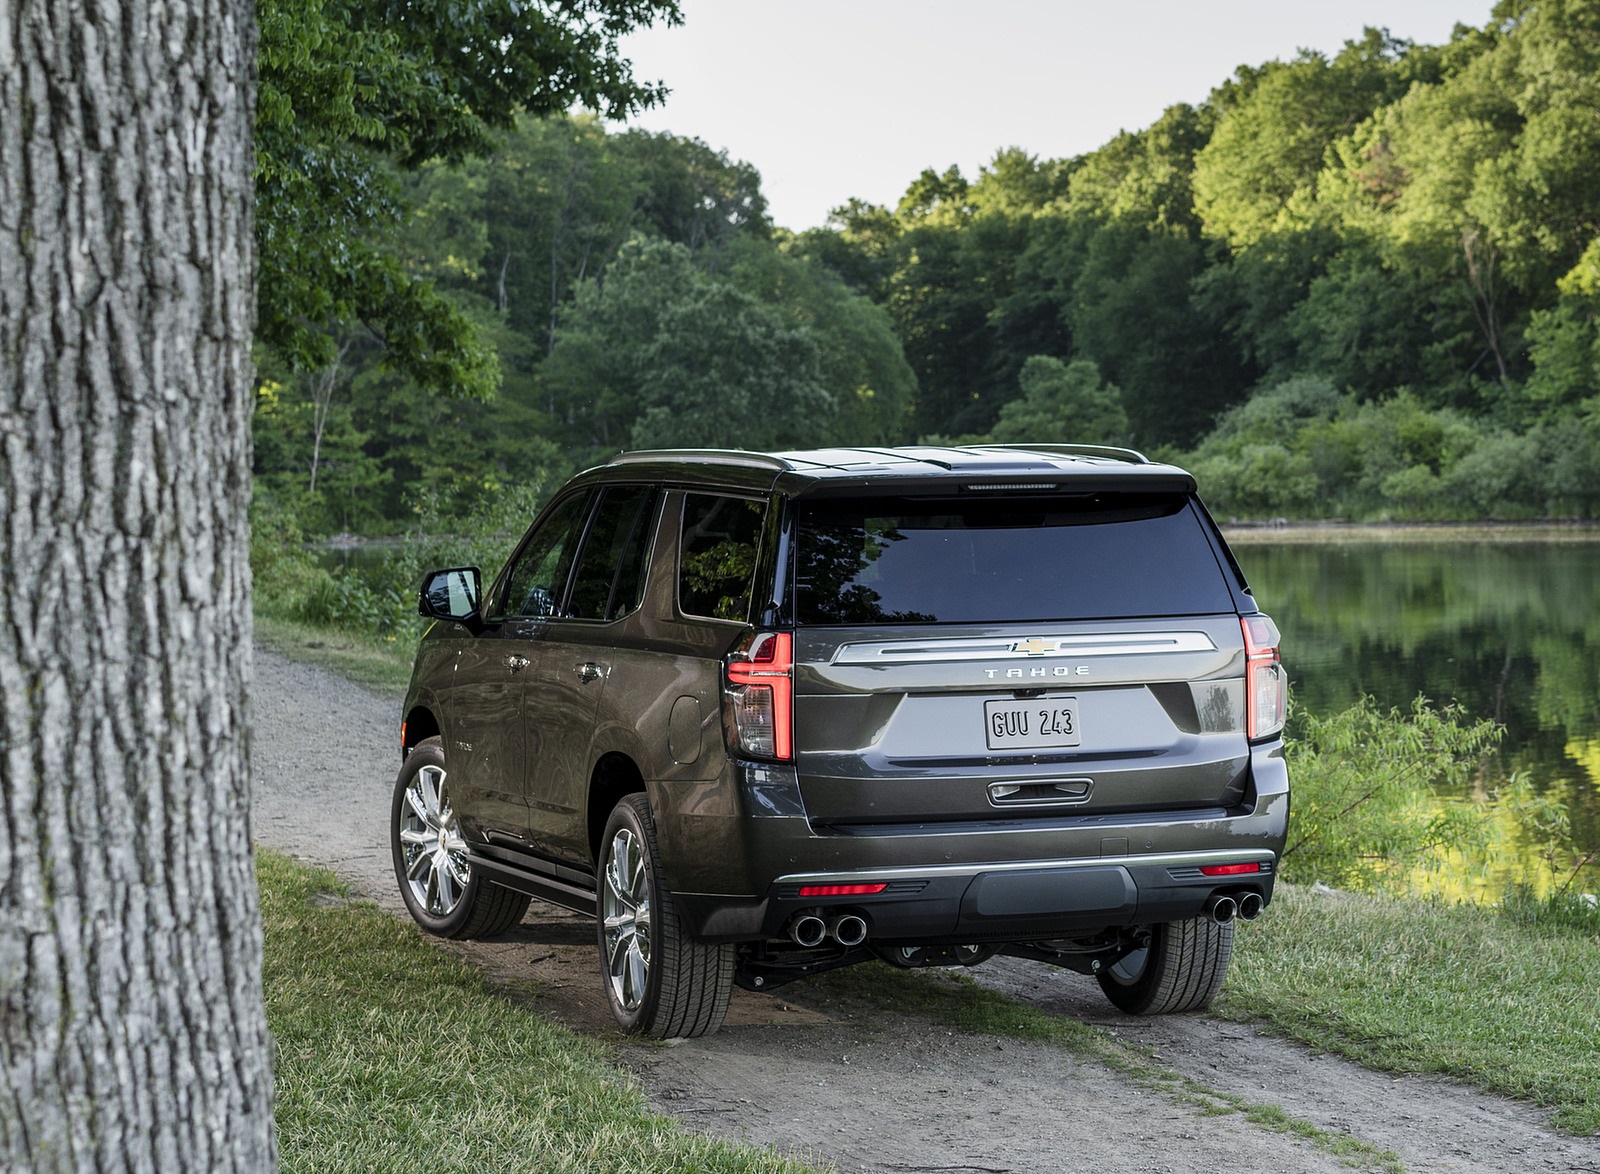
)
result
[(659, 982), (443, 893), (1180, 970)]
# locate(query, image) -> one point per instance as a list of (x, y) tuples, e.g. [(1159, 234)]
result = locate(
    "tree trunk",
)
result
[(132, 1033), (323, 384)]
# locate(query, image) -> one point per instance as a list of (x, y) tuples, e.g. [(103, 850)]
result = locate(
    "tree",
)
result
[(1062, 402), (132, 1033), (350, 88), (656, 352)]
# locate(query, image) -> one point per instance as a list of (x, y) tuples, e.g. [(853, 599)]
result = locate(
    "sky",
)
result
[(833, 99)]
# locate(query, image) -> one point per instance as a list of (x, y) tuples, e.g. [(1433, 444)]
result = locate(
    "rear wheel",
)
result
[(658, 981), (1181, 969), (441, 890)]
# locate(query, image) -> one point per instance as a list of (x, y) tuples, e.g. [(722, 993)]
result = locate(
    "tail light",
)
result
[(1266, 685), (761, 697)]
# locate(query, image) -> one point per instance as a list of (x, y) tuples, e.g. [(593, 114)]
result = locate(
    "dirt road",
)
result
[(820, 1078)]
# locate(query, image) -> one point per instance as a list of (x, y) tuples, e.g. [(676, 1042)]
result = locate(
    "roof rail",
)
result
[(1075, 450), (704, 456)]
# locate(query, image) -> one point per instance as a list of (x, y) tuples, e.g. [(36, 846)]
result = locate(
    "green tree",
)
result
[(348, 86), (1258, 172), (724, 371), (654, 351), (1062, 402), (860, 361)]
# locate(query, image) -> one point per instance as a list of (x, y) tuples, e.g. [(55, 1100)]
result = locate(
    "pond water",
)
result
[(1507, 625)]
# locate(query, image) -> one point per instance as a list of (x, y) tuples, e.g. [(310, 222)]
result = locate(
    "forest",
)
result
[(1364, 286)]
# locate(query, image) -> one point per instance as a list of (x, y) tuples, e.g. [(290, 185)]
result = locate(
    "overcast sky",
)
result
[(837, 98)]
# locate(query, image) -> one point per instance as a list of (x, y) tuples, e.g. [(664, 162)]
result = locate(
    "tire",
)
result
[(443, 893), (1180, 970), (659, 982)]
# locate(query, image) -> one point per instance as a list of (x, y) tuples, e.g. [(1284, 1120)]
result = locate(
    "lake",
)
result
[(1505, 623)]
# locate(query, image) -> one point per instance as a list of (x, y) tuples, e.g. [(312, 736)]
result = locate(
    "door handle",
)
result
[(517, 663), (589, 671)]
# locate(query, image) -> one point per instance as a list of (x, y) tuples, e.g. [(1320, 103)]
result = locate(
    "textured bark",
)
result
[(132, 1034)]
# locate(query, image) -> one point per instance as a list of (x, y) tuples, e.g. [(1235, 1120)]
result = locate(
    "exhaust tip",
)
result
[(849, 930), (807, 929), (1222, 909), (1250, 906)]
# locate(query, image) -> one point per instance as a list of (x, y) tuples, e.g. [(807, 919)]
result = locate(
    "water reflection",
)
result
[(1509, 628)]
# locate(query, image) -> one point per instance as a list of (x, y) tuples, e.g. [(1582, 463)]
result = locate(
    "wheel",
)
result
[(659, 982), (440, 888), (1180, 970)]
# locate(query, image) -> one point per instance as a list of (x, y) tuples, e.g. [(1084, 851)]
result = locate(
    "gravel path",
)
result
[(886, 1093)]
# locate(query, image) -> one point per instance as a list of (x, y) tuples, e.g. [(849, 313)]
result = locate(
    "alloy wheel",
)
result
[(625, 911), (435, 854)]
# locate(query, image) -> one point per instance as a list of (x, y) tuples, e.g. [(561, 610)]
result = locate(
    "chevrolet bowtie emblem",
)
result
[(1034, 647)]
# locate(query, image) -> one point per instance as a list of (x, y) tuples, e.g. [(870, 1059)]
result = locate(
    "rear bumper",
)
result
[(1009, 880)]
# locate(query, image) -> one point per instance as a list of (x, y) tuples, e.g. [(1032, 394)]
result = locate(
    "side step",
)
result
[(569, 892)]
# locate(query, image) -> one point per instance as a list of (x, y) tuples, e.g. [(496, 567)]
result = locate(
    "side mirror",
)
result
[(452, 594)]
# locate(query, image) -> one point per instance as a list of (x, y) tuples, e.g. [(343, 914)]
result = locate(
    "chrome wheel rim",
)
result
[(625, 913), (435, 854)]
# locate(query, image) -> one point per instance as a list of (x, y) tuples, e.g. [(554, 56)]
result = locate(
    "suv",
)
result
[(766, 715)]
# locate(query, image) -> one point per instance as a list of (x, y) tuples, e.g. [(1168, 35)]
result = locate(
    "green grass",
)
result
[(392, 1055), (377, 664), (1511, 1007), (955, 1000)]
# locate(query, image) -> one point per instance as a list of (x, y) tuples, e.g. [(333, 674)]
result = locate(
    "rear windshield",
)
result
[(1101, 556)]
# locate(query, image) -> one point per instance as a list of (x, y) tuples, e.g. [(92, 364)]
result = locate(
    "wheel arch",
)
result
[(614, 775), (419, 723)]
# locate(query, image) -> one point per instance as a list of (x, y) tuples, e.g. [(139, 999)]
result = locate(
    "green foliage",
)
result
[(1413, 227), (349, 87), (1062, 403), (1258, 172), (659, 353), (1370, 791)]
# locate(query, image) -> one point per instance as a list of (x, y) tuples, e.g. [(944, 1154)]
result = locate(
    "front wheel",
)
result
[(659, 982), (443, 893), (1181, 969)]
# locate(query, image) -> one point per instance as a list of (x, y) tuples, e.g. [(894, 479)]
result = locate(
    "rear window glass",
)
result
[(1104, 556), (717, 560)]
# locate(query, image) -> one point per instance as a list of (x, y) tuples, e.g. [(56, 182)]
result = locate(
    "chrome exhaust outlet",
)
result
[(807, 929), (1221, 909), (848, 929), (1250, 906)]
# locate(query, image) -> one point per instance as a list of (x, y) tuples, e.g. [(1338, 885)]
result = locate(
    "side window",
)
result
[(610, 577), (539, 576), (717, 555)]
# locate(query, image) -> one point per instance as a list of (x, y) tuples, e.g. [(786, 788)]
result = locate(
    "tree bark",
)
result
[(132, 1033)]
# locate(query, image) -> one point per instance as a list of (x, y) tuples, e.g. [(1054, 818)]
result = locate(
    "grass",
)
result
[(392, 1055), (1508, 1006), (378, 664)]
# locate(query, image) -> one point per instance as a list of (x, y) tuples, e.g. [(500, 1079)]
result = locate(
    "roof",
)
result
[(916, 468)]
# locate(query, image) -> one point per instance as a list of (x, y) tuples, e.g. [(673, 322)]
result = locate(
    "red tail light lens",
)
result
[(841, 890), (1266, 685), (761, 696), (1228, 869)]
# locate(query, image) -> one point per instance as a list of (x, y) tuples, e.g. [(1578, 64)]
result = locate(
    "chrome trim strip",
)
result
[(1037, 648), (942, 871)]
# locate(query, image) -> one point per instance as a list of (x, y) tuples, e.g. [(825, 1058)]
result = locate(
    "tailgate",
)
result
[(898, 724)]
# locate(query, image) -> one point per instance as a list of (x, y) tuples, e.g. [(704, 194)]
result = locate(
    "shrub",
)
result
[(1370, 791)]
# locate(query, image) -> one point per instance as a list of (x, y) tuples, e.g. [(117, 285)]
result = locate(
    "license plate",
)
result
[(1027, 725)]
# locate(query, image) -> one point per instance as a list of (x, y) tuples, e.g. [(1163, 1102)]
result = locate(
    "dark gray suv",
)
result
[(765, 715)]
